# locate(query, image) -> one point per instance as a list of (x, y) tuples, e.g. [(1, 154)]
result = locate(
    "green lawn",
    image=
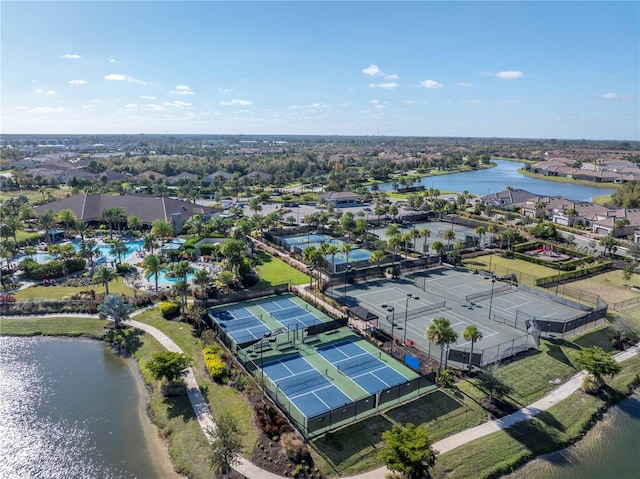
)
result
[(274, 271), (502, 266), (53, 326), (37, 292)]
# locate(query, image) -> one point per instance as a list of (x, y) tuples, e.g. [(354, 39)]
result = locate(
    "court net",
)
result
[(358, 363), (301, 382), (486, 294), (416, 313)]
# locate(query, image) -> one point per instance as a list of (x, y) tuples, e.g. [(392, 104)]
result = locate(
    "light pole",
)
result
[(406, 316), (493, 283), (346, 279), (310, 270), (392, 310)]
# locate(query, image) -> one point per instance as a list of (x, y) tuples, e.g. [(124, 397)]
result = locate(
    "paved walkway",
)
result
[(250, 470)]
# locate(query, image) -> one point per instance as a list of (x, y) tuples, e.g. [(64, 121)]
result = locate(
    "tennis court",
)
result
[(240, 324), (371, 373), (306, 387), (501, 311), (273, 316), (300, 242)]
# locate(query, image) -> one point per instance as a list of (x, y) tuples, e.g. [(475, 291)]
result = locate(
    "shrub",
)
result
[(270, 419), (169, 309), (208, 337), (590, 385), (52, 269), (295, 448), (214, 361)]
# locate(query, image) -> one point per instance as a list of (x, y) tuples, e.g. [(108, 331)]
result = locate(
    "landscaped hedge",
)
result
[(207, 248), (570, 265), (53, 269), (169, 309), (214, 361), (578, 273)]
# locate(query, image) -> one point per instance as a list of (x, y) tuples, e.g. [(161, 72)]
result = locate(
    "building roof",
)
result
[(146, 207)]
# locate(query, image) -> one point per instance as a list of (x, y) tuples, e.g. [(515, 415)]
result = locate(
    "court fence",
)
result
[(493, 354), (314, 426), (244, 295)]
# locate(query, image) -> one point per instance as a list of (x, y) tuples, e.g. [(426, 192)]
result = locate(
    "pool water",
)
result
[(132, 247), (164, 280)]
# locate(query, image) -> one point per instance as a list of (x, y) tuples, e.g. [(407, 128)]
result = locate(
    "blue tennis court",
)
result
[(363, 368), (240, 324), (306, 387), (291, 315), (356, 254)]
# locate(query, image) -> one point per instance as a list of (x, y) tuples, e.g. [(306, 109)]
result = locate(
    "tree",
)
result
[(47, 221), (152, 265), (134, 223), (627, 274), (67, 218), (89, 249), (168, 365), (492, 383), (226, 443), (441, 333), (115, 308), (407, 449), (150, 242), (609, 243), (117, 249), (234, 250), (449, 235), (103, 274), (439, 248), (162, 229), (597, 362), (113, 216), (473, 334), (14, 224)]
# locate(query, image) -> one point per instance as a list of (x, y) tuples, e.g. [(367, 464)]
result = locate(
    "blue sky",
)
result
[(486, 69)]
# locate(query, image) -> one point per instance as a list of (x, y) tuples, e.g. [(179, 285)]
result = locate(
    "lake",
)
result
[(606, 452), (71, 408), (493, 180)]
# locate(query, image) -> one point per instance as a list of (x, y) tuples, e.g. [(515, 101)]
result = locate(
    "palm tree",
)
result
[(493, 229), (441, 333), (480, 231), (201, 278), (67, 217), (134, 223), (103, 274), (89, 249), (438, 247), (81, 227), (415, 234), (333, 250), (150, 242), (376, 257), (47, 221), (117, 249), (449, 236), (162, 229), (346, 248), (15, 224), (195, 225), (473, 334), (152, 265), (113, 215), (114, 307), (425, 233)]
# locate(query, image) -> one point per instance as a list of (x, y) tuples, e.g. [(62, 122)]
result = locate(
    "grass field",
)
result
[(53, 326), (501, 266), (34, 196), (274, 271), (609, 286), (38, 292)]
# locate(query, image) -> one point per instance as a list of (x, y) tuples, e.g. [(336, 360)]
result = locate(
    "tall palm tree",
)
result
[(473, 334), (426, 234), (150, 242), (346, 248), (152, 265), (113, 216), (449, 235), (134, 223), (67, 218), (201, 278), (195, 225), (15, 224), (47, 221), (415, 234), (162, 229), (81, 227), (480, 231), (376, 257), (104, 274), (441, 333), (438, 247), (117, 249), (89, 249)]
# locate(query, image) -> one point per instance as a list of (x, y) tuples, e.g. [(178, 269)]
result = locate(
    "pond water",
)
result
[(493, 180)]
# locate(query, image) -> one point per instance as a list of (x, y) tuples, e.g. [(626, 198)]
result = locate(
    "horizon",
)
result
[(502, 70)]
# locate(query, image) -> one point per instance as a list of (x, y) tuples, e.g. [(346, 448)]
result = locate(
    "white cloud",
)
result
[(509, 75), (236, 101), (131, 106), (409, 102), (473, 102), (391, 77), (177, 104), (112, 60), (78, 82), (374, 102), (225, 90), (145, 97), (372, 70), (463, 84), (120, 77), (182, 90), (71, 56), (431, 84), (40, 91), (317, 105), (46, 109), (385, 85)]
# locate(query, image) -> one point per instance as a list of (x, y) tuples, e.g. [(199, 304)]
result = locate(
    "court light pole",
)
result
[(310, 270), (346, 279), (392, 310), (493, 283), (406, 316)]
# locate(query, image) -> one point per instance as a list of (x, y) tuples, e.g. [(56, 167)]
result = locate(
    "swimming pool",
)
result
[(132, 247), (164, 280)]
